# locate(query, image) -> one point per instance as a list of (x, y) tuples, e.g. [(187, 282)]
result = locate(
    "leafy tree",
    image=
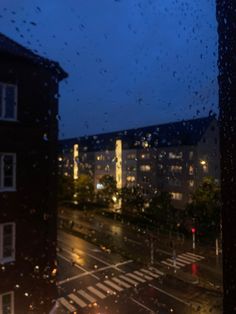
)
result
[(161, 209), (132, 199), (206, 206), (65, 188), (84, 189), (109, 190)]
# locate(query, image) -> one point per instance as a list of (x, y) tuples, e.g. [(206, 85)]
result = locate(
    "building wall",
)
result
[(32, 206), (175, 169)]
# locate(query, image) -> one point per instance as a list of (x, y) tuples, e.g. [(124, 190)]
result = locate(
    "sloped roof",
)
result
[(187, 133), (10, 47)]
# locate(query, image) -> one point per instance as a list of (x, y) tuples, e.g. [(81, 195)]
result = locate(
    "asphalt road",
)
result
[(115, 274)]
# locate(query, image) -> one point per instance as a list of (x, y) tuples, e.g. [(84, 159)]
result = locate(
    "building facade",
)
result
[(172, 157), (28, 169)]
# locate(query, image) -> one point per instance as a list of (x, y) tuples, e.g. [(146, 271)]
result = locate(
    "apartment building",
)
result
[(28, 172), (172, 157)]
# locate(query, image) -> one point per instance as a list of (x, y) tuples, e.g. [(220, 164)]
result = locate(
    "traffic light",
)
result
[(193, 230)]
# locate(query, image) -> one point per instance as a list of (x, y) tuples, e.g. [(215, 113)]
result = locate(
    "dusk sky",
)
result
[(131, 63)]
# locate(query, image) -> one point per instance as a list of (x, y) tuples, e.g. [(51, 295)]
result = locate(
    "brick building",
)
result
[(28, 167)]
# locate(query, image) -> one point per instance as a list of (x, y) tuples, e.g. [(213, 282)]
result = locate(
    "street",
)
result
[(108, 267)]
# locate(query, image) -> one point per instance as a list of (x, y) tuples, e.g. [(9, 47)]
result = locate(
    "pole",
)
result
[(152, 250), (194, 245), (217, 247), (174, 259)]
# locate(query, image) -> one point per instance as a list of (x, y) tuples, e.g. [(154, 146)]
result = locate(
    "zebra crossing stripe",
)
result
[(156, 270), (66, 304), (191, 257), (136, 277), (183, 260), (195, 255), (87, 296), (177, 263), (96, 292), (105, 288), (121, 283), (129, 280), (77, 300), (113, 285), (170, 264), (149, 273), (143, 275)]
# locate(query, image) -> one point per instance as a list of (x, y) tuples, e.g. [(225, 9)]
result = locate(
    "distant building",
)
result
[(28, 167), (172, 157)]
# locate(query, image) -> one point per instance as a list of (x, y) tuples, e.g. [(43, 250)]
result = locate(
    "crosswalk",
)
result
[(182, 260), (90, 295)]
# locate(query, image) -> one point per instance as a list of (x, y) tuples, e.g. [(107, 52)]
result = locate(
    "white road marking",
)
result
[(190, 259), (120, 282), (66, 304), (156, 270), (113, 285), (143, 306), (195, 255), (96, 292), (129, 280), (170, 264), (177, 263), (182, 260), (170, 295), (88, 273), (105, 288), (87, 296), (76, 265), (142, 275), (136, 277), (149, 273), (77, 300)]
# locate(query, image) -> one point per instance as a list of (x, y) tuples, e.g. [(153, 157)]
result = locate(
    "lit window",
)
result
[(175, 168), (191, 170), (145, 168), (99, 186), (175, 155), (131, 156), (191, 183), (8, 97), (98, 167), (7, 303), (176, 196), (145, 156), (7, 172), (145, 144), (7, 242), (130, 179), (100, 157), (131, 168), (191, 155)]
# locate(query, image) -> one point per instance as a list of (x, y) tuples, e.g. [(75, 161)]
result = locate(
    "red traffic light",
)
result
[(193, 230)]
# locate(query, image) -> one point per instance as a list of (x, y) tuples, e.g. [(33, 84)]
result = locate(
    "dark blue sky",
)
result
[(130, 62)]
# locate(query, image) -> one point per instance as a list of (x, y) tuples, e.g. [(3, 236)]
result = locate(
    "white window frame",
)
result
[(4, 260), (2, 187), (2, 118), (12, 301)]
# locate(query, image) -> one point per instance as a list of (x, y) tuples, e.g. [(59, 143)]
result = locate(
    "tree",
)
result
[(84, 189), (206, 206), (65, 188), (108, 191), (161, 209), (132, 199)]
